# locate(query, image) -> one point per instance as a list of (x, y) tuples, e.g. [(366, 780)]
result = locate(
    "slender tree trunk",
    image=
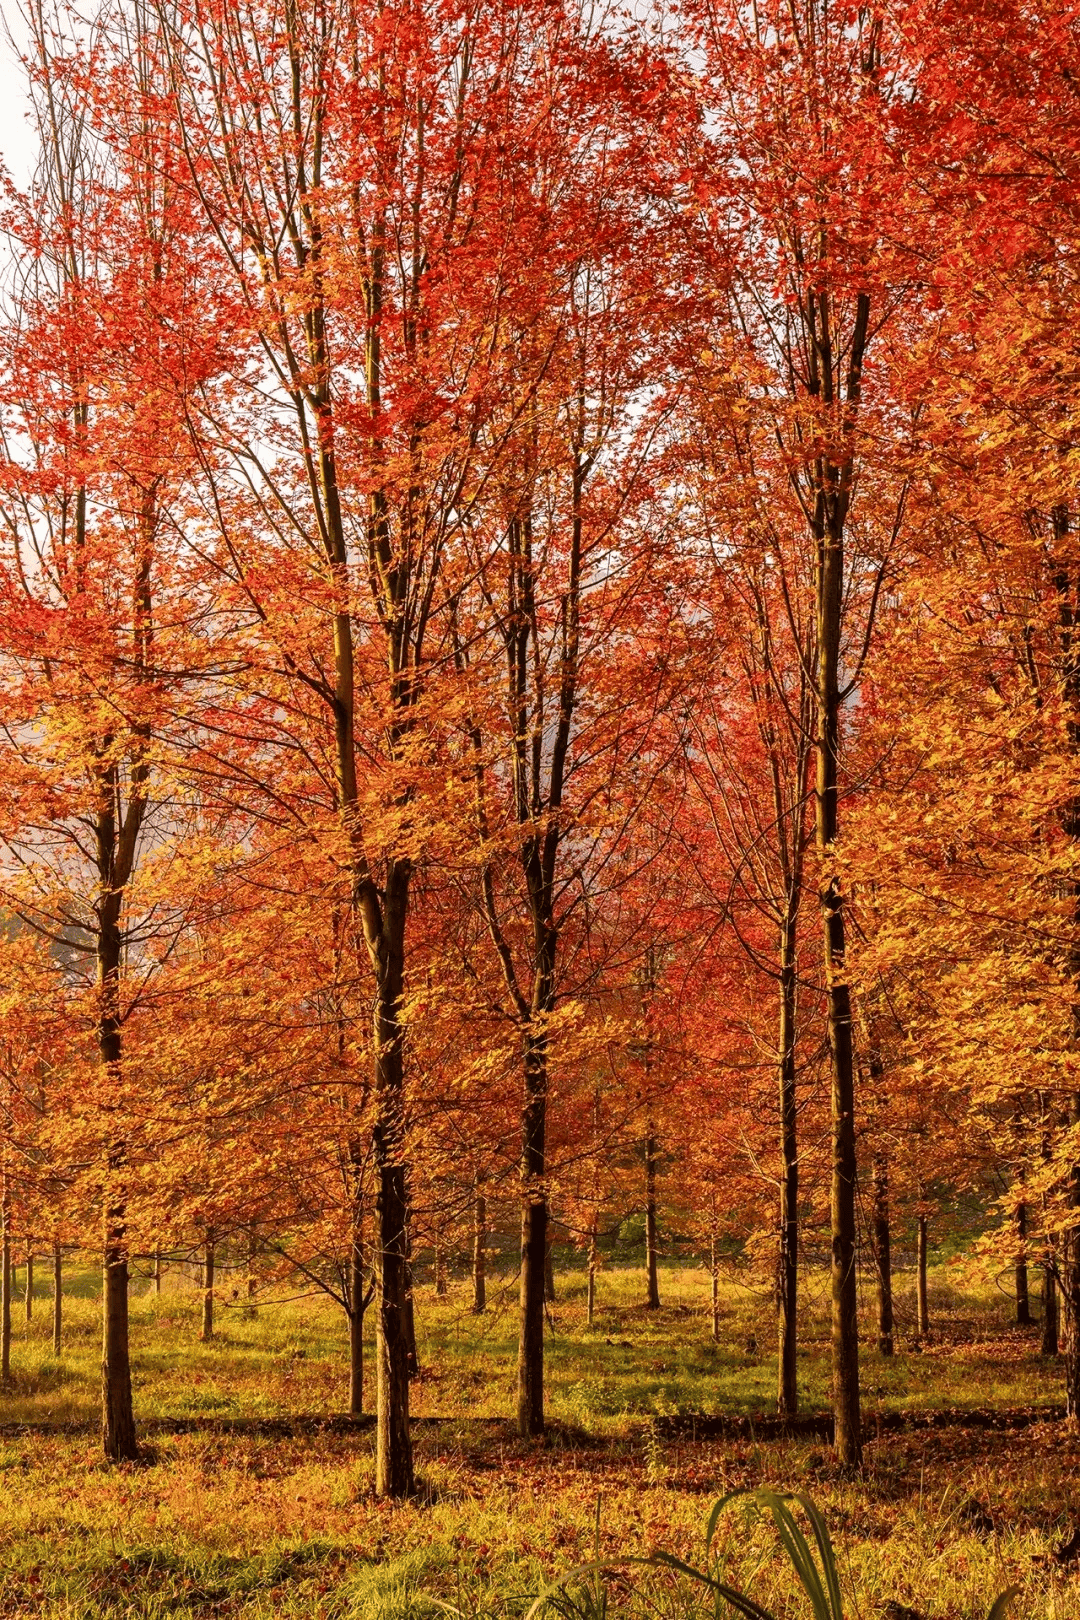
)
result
[(1049, 1343), (652, 1282), (534, 1221), (922, 1298), (57, 1297), (208, 1288), (845, 1319), (714, 1268), (5, 1288), (393, 1456), (251, 1282), (29, 1284), (1023, 1303), (117, 1413), (356, 1319), (591, 1303), (549, 1268), (157, 1270), (1070, 1289), (382, 909), (440, 1270), (479, 1254), (118, 1418), (832, 496), (787, 1271), (883, 1256), (1068, 589), (409, 1303), (393, 1442)]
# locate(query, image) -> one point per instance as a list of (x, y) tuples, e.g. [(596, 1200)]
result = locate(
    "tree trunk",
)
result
[(29, 1284), (1070, 1290), (534, 1221), (832, 488), (715, 1270), (393, 1441), (845, 1320), (117, 1413), (549, 1269), (1068, 588), (57, 1297), (479, 1253), (356, 1321), (591, 1299), (787, 1271), (251, 1281), (1023, 1303), (652, 1283), (1049, 1344), (440, 1270), (157, 1271), (412, 1358), (922, 1299), (883, 1256), (5, 1289), (208, 1289)]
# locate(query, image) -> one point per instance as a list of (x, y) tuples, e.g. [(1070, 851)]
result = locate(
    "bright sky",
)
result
[(16, 144)]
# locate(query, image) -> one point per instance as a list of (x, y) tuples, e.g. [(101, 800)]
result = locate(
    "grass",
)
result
[(235, 1519)]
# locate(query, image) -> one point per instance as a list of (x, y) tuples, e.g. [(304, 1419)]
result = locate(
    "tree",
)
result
[(799, 104), (106, 336)]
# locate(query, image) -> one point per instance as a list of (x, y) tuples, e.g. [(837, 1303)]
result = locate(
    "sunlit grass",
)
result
[(289, 1358), (228, 1519)]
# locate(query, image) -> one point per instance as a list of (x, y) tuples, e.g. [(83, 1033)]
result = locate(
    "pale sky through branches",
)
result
[(17, 142)]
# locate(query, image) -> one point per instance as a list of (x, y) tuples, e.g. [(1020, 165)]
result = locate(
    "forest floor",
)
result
[(254, 1502)]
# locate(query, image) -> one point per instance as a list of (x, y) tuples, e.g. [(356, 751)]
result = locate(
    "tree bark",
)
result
[(29, 1284), (845, 1322), (250, 1280), (652, 1282), (412, 1356), (393, 1441), (832, 490), (715, 1270), (357, 1303), (208, 1289), (157, 1270), (1023, 1303), (1068, 590), (57, 1297), (479, 1256), (1070, 1291), (922, 1298), (5, 1289), (534, 1221), (591, 1297), (549, 1268), (117, 1413), (1049, 1342), (883, 1256), (787, 1389)]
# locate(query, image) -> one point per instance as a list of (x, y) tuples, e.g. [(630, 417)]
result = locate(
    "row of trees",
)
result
[(538, 617)]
